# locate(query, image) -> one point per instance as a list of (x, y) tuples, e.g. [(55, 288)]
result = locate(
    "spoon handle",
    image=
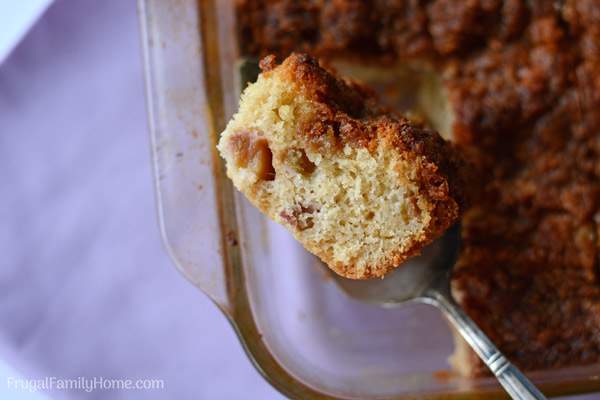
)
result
[(514, 382)]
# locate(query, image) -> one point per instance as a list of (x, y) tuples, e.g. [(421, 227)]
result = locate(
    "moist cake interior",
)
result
[(358, 186)]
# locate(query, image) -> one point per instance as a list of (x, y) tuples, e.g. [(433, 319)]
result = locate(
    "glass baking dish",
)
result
[(301, 332)]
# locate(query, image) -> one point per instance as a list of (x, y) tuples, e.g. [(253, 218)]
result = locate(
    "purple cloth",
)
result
[(86, 286)]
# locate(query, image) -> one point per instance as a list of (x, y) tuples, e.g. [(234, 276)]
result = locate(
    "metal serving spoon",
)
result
[(426, 279)]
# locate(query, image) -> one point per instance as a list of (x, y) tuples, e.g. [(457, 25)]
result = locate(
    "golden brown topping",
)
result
[(323, 86)]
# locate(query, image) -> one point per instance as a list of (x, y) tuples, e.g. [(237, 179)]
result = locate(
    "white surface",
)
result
[(16, 17)]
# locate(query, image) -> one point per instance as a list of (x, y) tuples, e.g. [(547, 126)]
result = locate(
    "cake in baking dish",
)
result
[(361, 188), (521, 78)]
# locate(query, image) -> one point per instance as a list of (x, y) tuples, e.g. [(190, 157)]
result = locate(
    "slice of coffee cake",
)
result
[(361, 188)]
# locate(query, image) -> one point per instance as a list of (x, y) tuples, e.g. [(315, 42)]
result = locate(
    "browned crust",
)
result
[(348, 113), (523, 83), (381, 30)]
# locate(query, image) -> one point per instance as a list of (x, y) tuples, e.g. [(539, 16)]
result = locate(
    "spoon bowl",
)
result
[(412, 280), (426, 278)]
